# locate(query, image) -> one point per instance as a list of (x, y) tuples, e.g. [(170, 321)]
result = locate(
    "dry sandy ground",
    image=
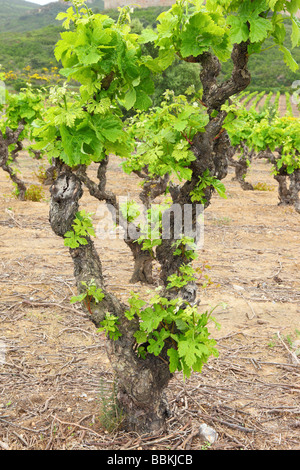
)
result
[(55, 379)]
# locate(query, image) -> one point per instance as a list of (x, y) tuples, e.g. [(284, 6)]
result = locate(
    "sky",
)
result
[(41, 2)]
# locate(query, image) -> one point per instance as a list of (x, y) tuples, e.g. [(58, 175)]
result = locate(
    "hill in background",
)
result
[(12, 10), (21, 16)]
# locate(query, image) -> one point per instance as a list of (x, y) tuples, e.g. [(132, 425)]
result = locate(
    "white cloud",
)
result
[(41, 2)]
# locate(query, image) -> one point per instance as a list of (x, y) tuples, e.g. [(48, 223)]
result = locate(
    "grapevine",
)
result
[(180, 146), (18, 113), (264, 134)]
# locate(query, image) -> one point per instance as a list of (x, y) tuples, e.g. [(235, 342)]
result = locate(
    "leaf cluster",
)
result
[(164, 136), (264, 130), (82, 228), (21, 108), (185, 247), (176, 328), (130, 210), (104, 57), (190, 29), (205, 181), (91, 294), (283, 134)]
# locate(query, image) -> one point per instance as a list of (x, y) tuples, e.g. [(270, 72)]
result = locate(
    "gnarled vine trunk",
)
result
[(7, 158), (241, 167), (289, 194), (140, 382), (288, 184)]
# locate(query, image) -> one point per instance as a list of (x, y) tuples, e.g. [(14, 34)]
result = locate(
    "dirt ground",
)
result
[(55, 379)]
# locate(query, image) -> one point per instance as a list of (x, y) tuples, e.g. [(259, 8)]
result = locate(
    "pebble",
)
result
[(207, 434), (238, 288)]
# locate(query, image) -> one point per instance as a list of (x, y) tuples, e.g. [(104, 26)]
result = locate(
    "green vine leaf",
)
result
[(82, 228)]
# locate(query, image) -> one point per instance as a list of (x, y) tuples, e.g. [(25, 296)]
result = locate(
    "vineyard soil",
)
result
[(54, 374)]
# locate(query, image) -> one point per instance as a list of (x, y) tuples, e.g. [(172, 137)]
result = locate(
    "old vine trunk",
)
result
[(140, 383)]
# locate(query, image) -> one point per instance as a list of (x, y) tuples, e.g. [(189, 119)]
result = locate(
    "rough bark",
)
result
[(51, 174), (289, 195), (141, 386), (152, 187), (214, 94), (140, 383), (295, 189), (7, 158), (241, 167), (288, 184)]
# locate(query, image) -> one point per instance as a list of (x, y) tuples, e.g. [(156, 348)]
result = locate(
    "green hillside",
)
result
[(34, 48), (21, 16), (15, 7), (12, 10), (9, 7)]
